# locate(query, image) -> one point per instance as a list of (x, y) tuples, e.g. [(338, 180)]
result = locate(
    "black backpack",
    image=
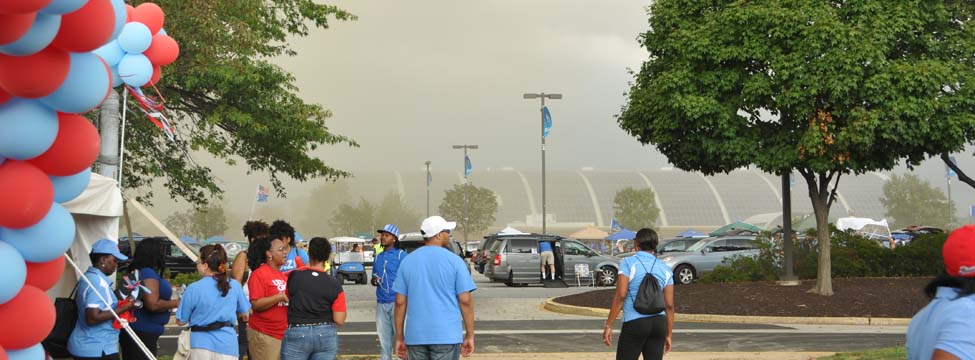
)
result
[(650, 297), (56, 343)]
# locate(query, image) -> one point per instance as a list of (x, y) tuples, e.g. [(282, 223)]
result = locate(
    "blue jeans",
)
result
[(433, 352), (386, 328), (319, 342)]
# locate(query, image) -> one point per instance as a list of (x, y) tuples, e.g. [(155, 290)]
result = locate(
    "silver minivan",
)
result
[(515, 261)]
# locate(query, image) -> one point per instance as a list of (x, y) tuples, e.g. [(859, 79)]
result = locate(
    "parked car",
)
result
[(481, 256), (412, 241), (706, 254), (676, 244), (516, 262), (176, 261)]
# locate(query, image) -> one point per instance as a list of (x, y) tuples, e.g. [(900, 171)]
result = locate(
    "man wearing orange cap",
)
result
[(945, 328)]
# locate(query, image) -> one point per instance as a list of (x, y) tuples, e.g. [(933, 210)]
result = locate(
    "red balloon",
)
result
[(22, 6), (30, 189), (88, 28), (150, 15), (156, 74), (163, 50), (129, 10), (74, 149), (14, 26), (44, 275), (3, 353), (34, 76), (3, 99), (29, 317)]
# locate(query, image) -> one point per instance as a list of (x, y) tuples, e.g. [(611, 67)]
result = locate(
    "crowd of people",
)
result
[(282, 300)]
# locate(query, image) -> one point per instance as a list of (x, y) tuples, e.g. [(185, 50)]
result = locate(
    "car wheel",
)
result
[(340, 278), (510, 282), (607, 276), (684, 274), (361, 280)]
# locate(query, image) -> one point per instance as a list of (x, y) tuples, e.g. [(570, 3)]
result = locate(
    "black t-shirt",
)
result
[(313, 295)]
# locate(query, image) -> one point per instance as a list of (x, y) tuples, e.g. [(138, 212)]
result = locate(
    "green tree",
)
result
[(201, 222), (349, 220), (912, 201), (824, 88), (227, 99), (393, 210), (635, 209), (471, 206)]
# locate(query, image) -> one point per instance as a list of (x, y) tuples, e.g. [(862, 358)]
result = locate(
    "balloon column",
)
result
[(58, 59)]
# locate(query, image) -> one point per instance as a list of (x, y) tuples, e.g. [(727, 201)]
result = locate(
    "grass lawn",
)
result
[(894, 353)]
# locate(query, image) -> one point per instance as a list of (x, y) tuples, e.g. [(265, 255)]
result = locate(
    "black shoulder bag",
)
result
[(66, 310)]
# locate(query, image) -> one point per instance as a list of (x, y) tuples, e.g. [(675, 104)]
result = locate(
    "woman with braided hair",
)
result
[(211, 306)]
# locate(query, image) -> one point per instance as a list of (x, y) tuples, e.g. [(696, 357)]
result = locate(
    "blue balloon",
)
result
[(84, 88), (69, 187), (116, 78), (135, 69), (39, 36), (14, 272), (135, 38), (46, 240), (112, 53), (27, 128), (61, 7), (162, 32), (121, 16), (35, 352)]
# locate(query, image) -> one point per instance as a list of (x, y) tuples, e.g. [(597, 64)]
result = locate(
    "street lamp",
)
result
[(428, 188), (541, 110), (466, 190)]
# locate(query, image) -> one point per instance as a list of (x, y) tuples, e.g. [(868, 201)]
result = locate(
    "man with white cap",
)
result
[(433, 299), (944, 329), (384, 270)]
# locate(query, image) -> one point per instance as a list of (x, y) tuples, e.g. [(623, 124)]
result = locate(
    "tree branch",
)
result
[(961, 174), (832, 193)]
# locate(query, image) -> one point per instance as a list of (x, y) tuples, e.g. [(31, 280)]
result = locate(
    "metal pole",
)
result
[(950, 215), (121, 151), (787, 225), (108, 130), (428, 189), (542, 114)]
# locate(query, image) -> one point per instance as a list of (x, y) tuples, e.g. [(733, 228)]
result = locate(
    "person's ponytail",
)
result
[(215, 257)]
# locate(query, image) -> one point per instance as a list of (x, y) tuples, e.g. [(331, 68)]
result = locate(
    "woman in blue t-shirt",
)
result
[(211, 306), (647, 334), (147, 264)]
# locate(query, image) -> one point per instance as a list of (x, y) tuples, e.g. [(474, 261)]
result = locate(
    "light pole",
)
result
[(428, 188), (541, 110), (467, 209)]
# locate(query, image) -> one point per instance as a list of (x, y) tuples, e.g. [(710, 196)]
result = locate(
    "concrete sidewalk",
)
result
[(610, 355)]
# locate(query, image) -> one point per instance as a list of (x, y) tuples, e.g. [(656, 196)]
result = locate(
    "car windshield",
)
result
[(700, 245)]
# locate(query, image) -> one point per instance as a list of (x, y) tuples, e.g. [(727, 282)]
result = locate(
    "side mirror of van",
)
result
[(704, 251)]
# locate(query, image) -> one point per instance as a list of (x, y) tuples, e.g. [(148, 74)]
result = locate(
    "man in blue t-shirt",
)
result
[(547, 258), (433, 294), (384, 270)]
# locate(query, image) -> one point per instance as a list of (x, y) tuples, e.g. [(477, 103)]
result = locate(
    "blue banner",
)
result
[(547, 121), (948, 171), (615, 226), (467, 166)]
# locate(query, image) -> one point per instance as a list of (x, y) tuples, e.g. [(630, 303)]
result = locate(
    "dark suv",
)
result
[(413, 241), (176, 262)]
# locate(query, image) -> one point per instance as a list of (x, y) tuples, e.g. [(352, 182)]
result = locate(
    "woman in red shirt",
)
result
[(269, 301)]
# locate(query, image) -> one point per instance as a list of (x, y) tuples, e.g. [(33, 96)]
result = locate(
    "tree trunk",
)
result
[(819, 194)]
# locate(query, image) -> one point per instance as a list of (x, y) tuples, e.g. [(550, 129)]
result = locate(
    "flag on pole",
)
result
[(546, 121), (615, 226), (467, 166), (262, 193), (429, 178), (948, 171)]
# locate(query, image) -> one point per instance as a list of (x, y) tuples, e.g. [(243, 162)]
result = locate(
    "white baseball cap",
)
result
[(433, 225)]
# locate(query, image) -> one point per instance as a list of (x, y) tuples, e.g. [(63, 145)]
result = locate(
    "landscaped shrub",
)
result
[(922, 257)]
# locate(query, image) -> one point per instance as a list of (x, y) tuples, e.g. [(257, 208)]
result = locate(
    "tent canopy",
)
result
[(873, 229), (215, 240), (188, 240), (624, 234), (737, 225), (511, 231), (691, 233), (589, 233)]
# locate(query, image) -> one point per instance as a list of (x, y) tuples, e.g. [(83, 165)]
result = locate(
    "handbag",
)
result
[(66, 310)]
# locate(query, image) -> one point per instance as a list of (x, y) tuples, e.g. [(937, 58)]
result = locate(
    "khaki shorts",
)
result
[(263, 346), (204, 354), (548, 258)]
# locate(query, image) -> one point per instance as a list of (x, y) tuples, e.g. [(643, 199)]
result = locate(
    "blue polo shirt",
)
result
[(202, 304), (290, 263), (98, 339), (385, 267), (637, 267), (153, 322), (431, 278), (944, 324)]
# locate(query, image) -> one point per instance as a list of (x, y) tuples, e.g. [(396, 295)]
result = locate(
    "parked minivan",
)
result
[(514, 260)]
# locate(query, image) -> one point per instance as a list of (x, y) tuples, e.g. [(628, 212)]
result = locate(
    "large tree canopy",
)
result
[(227, 99), (823, 87)]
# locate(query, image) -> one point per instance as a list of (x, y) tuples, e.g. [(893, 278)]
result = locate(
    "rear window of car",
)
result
[(522, 246)]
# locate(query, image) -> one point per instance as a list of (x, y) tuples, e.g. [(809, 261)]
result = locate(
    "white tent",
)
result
[(873, 229), (96, 215), (511, 231)]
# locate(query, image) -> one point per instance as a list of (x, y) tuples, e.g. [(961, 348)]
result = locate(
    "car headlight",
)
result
[(667, 258)]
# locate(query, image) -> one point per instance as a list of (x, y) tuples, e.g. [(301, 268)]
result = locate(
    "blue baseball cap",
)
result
[(390, 228), (106, 246)]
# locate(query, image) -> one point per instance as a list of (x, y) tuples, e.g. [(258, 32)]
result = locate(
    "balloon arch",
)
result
[(59, 59)]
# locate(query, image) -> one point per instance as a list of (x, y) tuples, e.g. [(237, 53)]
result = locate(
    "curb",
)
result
[(553, 306)]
